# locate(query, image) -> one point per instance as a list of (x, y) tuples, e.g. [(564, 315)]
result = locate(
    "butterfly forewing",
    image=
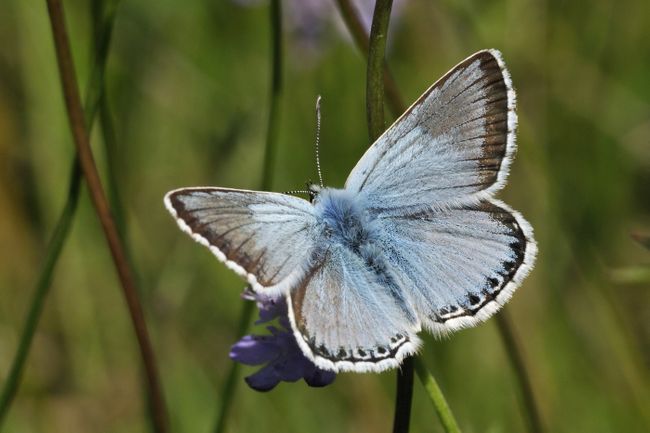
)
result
[(456, 141), (249, 231)]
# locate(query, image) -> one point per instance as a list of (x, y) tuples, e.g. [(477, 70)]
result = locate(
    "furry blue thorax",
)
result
[(345, 218)]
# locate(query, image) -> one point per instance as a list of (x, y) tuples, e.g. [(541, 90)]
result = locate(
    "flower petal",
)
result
[(255, 350), (264, 380), (319, 378), (279, 350), (290, 368)]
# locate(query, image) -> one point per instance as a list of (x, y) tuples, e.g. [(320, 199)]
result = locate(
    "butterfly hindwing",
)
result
[(249, 231), (346, 318), (454, 142), (459, 266)]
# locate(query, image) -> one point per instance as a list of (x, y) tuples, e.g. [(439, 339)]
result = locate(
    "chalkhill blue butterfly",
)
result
[(414, 240)]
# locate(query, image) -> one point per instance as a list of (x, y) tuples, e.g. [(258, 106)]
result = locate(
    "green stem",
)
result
[(63, 225), (403, 397), (230, 384), (375, 72), (517, 361), (437, 397)]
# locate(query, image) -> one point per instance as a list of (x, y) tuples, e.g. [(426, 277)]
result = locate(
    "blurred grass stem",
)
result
[(98, 198), (270, 150), (53, 251), (437, 397), (516, 359), (375, 71)]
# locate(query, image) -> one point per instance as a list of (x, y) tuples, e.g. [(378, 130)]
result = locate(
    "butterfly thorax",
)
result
[(345, 220)]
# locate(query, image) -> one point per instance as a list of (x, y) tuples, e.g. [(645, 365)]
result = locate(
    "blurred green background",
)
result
[(188, 85)]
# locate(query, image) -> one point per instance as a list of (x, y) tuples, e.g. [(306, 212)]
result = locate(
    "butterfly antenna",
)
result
[(320, 175), (298, 191)]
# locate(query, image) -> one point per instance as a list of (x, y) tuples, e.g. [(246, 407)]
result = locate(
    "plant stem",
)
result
[(353, 21), (230, 384), (404, 396), (437, 397), (375, 72), (517, 361), (98, 198), (62, 229)]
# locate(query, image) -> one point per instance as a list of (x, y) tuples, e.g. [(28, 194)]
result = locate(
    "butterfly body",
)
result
[(345, 219), (415, 240)]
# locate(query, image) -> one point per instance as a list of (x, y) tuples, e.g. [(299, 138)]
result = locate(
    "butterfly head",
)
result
[(313, 189)]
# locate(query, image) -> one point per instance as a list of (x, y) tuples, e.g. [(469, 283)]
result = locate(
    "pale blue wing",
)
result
[(452, 146), (459, 266), (346, 319), (265, 237)]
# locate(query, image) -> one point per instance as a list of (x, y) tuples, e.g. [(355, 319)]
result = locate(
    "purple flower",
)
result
[(278, 350)]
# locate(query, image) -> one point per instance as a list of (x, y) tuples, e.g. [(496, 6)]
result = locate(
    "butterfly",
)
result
[(415, 240)]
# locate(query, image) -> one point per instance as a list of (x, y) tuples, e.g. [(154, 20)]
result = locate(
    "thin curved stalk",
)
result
[(437, 397), (63, 225), (230, 385), (103, 14), (516, 359), (98, 198)]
